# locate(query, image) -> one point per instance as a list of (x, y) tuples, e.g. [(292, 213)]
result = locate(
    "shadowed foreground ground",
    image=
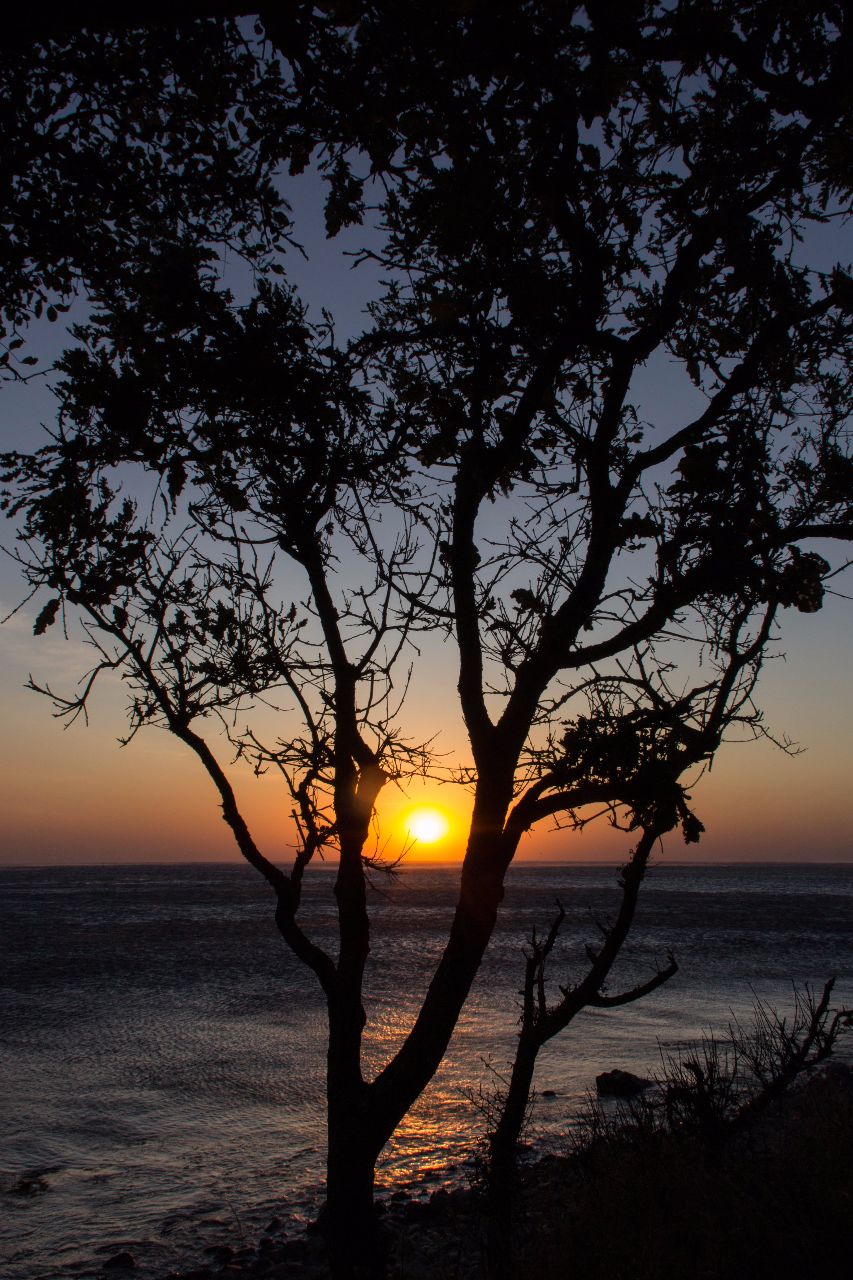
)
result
[(775, 1202)]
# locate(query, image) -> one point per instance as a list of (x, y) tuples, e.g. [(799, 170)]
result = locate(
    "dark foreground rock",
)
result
[(621, 1084)]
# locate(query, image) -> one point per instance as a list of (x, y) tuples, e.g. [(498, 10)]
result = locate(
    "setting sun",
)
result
[(426, 825)]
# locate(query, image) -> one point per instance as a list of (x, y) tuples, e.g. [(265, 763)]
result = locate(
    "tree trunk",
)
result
[(504, 1141), (503, 1179), (356, 1247), (349, 1218)]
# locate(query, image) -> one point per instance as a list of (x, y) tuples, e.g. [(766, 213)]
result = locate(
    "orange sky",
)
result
[(74, 796)]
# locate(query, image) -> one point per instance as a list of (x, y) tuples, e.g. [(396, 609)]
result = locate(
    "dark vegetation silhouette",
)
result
[(722, 1169), (121, 155), (247, 510), (707, 1095), (539, 1023)]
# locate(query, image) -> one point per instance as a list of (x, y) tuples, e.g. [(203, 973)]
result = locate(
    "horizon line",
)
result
[(330, 865)]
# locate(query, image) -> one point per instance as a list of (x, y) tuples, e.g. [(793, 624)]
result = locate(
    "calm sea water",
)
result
[(162, 1053)]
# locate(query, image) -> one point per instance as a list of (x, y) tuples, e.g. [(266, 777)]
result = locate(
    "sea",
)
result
[(162, 1053)]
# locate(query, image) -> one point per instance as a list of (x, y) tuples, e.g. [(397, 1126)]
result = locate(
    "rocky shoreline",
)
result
[(441, 1236)]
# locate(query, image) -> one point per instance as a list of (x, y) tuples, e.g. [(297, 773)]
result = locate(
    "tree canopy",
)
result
[(244, 506), (126, 150)]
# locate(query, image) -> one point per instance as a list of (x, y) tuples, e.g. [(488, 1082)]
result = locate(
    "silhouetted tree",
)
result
[(558, 196)]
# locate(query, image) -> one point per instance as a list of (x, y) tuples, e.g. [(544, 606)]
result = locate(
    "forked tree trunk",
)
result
[(362, 1117), (539, 1024)]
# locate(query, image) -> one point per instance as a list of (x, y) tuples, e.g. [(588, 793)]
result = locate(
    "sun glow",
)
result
[(426, 825)]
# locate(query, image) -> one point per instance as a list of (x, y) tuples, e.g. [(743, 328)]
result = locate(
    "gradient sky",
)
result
[(74, 796)]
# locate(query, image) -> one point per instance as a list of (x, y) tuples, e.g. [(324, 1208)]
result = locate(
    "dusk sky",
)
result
[(74, 796)]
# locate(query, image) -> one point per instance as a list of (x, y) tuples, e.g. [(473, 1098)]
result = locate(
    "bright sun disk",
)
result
[(426, 825)]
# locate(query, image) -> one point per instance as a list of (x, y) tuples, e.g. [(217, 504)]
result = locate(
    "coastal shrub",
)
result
[(738, 1164), (653, 1205)]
